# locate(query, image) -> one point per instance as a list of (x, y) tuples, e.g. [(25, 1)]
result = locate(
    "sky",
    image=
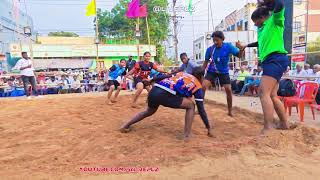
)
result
[(69, 15)]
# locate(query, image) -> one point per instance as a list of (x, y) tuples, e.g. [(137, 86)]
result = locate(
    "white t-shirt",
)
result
[(302, 73), (318, 75), (23, 63), (310, 72)]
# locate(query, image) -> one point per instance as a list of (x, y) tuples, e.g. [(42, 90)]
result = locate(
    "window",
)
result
[(297, 26), (199, 56), (199, 45), (246, 27), (196, 56)]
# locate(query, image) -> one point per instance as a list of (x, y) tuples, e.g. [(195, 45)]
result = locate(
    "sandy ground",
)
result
[(65, 137)]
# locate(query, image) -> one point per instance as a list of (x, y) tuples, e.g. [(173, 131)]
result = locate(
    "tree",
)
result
[(313, 47), (114, 24), (63, 34)]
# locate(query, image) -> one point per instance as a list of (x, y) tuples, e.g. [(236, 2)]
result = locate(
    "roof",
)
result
[(62, 63)]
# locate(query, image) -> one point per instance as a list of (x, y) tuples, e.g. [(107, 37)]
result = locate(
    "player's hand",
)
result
[(240, 46)]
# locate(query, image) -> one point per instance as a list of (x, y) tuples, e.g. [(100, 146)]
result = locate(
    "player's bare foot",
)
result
[(114, 100), (109, 102), (266, 130), (124, 130), (230, 114)]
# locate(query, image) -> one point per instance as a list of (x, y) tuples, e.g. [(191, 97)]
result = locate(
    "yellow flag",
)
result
[(91, 8)]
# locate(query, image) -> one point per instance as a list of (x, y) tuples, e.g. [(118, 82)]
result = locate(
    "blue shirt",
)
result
[(115, 71), (188, 68), (220, 57)]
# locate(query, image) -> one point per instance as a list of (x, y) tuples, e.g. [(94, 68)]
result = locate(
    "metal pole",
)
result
[(97, 34), (307, 29), (175, 32)]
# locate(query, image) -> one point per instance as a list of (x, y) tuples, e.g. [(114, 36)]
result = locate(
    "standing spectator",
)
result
[(27, 73), (75, 85), (129, 67), (92, 84), (187, 65), (308, 70)]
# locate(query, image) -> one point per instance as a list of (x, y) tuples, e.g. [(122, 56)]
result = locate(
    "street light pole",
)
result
[(175, 33)]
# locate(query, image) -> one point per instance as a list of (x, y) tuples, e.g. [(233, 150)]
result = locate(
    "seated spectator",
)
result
[(92, 84), (42, 88), (287, 72), (64, 85), (255, 81), (308, 70), (52, 85), (75, 85), (238, 84), (299, 72)]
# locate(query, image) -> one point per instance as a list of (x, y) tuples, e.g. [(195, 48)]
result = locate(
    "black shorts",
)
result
[(113, 83), (138, 80), (158, 96), (223, 78)]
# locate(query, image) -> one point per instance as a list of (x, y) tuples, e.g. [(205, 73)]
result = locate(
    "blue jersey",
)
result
[(115, 71), (220, 57), (182, 84)]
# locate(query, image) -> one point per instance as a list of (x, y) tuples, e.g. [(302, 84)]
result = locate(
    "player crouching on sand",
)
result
[(175, 91), (114, 72)]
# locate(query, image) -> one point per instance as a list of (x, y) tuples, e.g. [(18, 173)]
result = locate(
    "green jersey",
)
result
[(270, 35)]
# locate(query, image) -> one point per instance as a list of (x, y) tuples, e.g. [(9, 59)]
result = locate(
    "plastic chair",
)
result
[(317, 107), (310, 90)]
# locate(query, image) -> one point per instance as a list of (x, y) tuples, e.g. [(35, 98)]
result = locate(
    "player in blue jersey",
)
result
[(218, 58), (175, 91), (114, 72)]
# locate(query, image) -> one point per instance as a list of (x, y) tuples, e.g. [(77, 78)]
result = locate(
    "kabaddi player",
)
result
[(141, 71), (273, 57), (114, 72), (175, 91)]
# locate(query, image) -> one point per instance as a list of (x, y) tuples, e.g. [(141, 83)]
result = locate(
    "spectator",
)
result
[(287, 72), (42, 88), (187, 64), (308, 70), (75, 85), (255, 83), (64, 85), (299, 72), (26, 71), (236, 73), (129, 66), (239, 83), (92, 84), (52, 85)]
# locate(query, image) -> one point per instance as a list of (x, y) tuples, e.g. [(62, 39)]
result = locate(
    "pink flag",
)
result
[(143, 11), (133, 9)]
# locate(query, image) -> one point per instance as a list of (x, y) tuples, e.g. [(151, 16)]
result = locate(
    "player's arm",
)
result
[(136, 66), (200, 106), (207, 58)]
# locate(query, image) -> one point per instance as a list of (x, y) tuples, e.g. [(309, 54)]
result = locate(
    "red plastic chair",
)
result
[(306, 95), (317, 107)]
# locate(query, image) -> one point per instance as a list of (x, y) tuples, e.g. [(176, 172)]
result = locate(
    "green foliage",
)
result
[(312, 47), (115, 24), (63, 34)]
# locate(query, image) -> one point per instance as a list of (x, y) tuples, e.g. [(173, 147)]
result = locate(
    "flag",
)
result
[(190, 6), (143, 11), (91, 8), (133, 9)]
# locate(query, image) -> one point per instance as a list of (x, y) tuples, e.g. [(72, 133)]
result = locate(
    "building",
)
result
[(237, 26), (12, 24), (306, 28), (76, 52)]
